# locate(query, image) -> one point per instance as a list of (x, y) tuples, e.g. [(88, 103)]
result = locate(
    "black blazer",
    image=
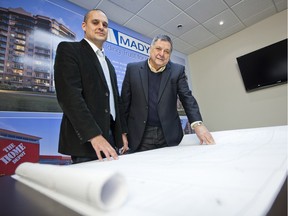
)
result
[(83, 95), (134, 96)]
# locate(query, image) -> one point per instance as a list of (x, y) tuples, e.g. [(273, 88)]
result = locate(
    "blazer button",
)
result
[(106, 94), (106, 111), (144, 122)]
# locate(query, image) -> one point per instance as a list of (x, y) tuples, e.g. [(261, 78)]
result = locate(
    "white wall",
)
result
[(218, 86)]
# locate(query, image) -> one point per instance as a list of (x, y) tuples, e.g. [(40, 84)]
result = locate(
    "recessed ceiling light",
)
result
[(179, 26), (221, 22)]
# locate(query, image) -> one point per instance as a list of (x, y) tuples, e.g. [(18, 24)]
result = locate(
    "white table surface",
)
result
[(240, 175)]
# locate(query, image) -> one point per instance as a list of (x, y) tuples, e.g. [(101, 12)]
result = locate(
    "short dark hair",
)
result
[(87, 14), (162, 38)]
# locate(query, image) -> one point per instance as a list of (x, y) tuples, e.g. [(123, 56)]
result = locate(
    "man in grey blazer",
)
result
[(149, 95), (87, 92)]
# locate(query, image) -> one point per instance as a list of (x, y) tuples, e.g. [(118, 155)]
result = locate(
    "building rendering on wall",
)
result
[(27, 49)]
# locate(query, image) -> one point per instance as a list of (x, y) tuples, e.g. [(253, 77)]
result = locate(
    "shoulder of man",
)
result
[(175, 66), (137, 64), (69, 44)]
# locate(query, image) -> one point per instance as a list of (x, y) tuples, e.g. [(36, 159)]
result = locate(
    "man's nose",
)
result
[(161, 52), (101, 26)]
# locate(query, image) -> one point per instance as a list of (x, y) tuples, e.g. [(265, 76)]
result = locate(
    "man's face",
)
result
[(160, 53), (96, 28)]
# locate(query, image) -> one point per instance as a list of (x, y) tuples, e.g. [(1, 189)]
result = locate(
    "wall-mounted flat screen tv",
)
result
[(264, 67)]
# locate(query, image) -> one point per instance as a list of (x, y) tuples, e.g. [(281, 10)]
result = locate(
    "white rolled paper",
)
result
[(106, 190)]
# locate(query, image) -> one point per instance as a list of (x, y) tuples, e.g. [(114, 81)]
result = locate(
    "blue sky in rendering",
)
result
[(43, 125), (63, 11)]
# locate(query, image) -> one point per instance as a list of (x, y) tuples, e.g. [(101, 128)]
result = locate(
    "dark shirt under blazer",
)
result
[(135, 102), (83, 95)]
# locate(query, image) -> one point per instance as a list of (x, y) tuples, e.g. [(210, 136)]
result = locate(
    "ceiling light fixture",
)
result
[(221, 22), (179, 26)]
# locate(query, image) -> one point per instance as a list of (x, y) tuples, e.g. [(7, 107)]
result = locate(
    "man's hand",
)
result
[(125, 147), (204, 135), (100, 144)]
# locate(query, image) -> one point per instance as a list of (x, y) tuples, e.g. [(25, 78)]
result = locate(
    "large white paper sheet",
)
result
[(241, 175), (97, 191)]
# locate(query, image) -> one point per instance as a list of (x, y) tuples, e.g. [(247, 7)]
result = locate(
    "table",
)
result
[(241, 175)]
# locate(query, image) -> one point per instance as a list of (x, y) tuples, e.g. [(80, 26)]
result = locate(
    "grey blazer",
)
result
[(134, 96)]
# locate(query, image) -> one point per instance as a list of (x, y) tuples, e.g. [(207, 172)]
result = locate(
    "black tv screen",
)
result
[(264, 67)]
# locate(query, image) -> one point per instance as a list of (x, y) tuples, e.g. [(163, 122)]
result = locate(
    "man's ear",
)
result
[(83, 26)]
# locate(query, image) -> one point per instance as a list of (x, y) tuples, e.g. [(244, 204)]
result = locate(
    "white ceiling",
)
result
[(199, 18)]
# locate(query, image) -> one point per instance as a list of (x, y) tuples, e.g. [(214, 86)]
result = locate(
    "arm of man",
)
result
[(192, 109), (100, 144), (69, 87), (203, 133), (125, 147), (125, 105)]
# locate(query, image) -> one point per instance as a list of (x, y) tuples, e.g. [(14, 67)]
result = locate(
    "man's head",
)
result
[(95, 27), (160, 51)]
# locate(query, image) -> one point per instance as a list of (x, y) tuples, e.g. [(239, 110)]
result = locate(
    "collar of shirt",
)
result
[(94, 47), (161, 69)]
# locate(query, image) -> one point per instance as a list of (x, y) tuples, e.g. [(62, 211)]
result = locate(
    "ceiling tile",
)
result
[(180, 45), (190, 50), (186, 22), (281, 5), (183, 4), (205, 9), (87, 4), (259, 16), (113, 12), (131, 5), (207, 42), (196, 35), (226, 16), (231, 30), (140, 25), (231, 2), (248, 8), (160, 31), (152, 12)]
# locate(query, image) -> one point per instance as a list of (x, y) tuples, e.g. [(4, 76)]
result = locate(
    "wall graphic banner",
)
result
[(30, 33)]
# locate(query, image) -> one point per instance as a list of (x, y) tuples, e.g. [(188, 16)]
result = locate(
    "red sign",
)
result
[(14, 152)]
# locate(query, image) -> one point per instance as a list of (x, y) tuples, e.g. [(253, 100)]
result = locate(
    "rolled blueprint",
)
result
[(105, 190)]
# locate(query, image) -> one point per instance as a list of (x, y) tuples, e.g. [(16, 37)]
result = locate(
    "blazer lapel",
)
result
[(164, 79), (144, 78), (94, 59), (110, 67)]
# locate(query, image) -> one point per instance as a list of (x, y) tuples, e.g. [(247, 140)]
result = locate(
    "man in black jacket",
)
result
[(87, 92), (149, 95)]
